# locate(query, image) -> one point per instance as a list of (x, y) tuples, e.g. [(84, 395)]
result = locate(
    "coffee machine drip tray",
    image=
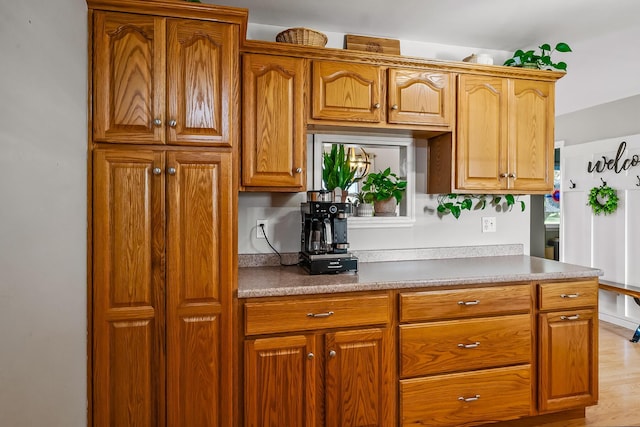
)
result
[(328, 263)]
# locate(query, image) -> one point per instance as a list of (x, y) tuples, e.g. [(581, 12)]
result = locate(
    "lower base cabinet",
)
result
[(441, 358), (334, 379)]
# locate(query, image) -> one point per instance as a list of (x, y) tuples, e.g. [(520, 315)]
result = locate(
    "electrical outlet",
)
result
[(488, 224), (259, 233)]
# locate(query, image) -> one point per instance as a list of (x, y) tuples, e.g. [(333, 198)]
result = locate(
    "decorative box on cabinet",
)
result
[(161, 80), (313, 374), (356, 93), (504, 138), (273, 121), (462, 351), (568, 331), (162, 251)]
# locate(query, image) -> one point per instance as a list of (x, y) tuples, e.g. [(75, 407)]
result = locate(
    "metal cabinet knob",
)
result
[(504, 175), (376, 105), (310, 356), (332, 353), (298, 170), (171, 171), (157, 122), (157, 171), (512, 175), (394, 107), (172, 123)]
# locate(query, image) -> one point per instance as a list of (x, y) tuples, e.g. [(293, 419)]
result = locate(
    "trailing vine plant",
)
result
[(603, 199), (454, 204)]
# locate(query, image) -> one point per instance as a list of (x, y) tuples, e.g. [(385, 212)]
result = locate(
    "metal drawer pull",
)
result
[(469, 399), (310, 356), (317, 315), (474, 345), (569, 295), (574, 317), (476, 302)]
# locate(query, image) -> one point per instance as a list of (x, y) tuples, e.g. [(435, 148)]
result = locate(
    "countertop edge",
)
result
[(410, 284)]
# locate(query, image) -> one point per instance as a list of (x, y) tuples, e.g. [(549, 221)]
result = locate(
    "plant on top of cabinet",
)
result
[(454, 204), (540, 60)]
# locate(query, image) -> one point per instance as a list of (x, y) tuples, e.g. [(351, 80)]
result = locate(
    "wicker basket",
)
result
[(303, 36)]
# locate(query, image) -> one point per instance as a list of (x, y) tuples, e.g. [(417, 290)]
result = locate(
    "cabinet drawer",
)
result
[(562, 295), (299, 314), (439, 347), (458, 399), (468, 302)]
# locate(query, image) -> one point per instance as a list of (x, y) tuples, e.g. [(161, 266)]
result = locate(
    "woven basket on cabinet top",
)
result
[(303, 36)]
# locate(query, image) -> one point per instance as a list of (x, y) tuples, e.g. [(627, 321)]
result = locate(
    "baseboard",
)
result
[(619, 321)]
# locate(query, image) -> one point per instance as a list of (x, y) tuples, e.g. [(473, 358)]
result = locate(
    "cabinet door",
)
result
[(481, 162), (199, 288), (273, 139), (201, 60), (568, 360), (346, 91), (128, 288), (358, 389), (280, 382), (531, 116), (420, 97), (128, 78)]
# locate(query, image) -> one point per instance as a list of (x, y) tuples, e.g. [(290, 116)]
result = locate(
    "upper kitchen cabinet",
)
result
[(346, 91), (274, 134), (356, 93), (420, 97), (504, 141), (160, 80)]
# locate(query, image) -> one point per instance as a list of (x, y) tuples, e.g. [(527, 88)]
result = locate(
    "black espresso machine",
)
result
[(323, 242)]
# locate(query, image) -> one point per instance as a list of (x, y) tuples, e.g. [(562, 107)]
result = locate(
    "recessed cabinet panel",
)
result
[(128, 78), (420, 97), (128, 288), (200, 63), (481, 154), (273, 140), (346, 91), (531, 113)]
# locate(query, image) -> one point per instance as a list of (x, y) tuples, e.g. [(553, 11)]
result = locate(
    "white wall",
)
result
[(43, 121)]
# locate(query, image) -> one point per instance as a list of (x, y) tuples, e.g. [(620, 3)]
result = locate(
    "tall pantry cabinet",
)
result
[(163, 215)]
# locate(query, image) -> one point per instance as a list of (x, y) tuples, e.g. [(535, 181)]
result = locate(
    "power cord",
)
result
[(264, 233)]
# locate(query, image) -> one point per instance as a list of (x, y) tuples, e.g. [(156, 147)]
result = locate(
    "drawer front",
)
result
[(461, 399), (299, 314), (468, 302), (563, 295), (439, 347)]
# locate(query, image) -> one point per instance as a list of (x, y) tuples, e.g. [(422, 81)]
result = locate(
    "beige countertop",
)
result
[(283, 281)]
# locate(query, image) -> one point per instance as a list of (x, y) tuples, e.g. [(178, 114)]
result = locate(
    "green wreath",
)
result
[(610, 197)]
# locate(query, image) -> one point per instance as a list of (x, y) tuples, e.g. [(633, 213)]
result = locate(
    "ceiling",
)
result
[(491, 24)]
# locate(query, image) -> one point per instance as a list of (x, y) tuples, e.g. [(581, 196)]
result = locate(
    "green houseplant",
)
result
[(539, 59), (454, 204), (385, 190), (336, 170)]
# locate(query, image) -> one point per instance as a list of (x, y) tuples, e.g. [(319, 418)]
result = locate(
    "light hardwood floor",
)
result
[(619, 399)]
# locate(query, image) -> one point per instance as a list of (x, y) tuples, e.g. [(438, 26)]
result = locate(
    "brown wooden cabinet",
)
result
[(461, 351), (568, 345), (162, 251), (329, 377), (353, 92), (273, 120), (161, 80), (504, 135)]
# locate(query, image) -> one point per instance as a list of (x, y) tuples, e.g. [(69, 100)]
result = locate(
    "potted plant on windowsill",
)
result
[(336, 170), (385, 190), (540, 60)]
